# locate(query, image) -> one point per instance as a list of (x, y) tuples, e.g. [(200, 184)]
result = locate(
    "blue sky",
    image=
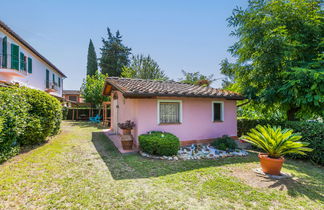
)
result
[(179, 34)]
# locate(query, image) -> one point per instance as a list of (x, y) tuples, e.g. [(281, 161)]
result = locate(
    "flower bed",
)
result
[(196, 152)]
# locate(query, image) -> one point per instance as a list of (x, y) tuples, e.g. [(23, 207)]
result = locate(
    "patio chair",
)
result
[(95, 119)]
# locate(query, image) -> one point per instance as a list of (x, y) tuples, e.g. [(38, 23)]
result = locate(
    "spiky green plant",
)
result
[(276, 142)]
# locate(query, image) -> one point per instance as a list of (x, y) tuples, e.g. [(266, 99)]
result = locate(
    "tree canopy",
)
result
[(114, 54), (91, 89), (196, 78), (279, 55), (143, 67), (92, 63)]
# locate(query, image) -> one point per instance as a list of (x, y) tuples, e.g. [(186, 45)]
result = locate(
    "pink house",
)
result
[(193, 113)]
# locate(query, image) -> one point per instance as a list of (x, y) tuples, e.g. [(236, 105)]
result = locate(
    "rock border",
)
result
[(204, 152)]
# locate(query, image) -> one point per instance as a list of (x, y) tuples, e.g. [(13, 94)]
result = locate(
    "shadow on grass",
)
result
[(134, 166)]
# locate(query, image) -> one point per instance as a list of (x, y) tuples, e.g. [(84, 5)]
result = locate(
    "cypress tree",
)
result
[(114, 55), (92, 64)]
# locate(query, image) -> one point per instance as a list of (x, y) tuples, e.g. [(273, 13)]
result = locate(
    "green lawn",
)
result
[(80, 168)]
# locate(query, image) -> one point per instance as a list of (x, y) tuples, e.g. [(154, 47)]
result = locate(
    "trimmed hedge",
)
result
[(224, 143), (159, 143), (28, 117), (312, 132)]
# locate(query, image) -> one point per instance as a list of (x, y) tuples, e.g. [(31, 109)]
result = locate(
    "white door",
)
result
[(115, 116)]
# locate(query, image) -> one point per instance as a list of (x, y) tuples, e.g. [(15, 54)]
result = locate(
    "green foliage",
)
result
[(277, 42), (312, 132), (275, 141), (45, 110), (65, 112), (92, 63), (114, 55), (28, 117), (224, 143), (143, 67), (91, 89), (158, 143), (196, 78)]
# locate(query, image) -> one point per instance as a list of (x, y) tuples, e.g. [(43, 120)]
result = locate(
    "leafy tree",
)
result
[(144, 67), (278, 55), (114, 54), (196, 78), (91, 89), (92, 64)]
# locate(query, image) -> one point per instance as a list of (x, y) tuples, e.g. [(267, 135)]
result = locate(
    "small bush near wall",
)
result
[(312, 132), (28, 117), (159, 143), (224, 143)]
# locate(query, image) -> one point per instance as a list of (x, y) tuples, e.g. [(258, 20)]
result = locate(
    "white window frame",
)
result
[(222, 110), (167, 101)]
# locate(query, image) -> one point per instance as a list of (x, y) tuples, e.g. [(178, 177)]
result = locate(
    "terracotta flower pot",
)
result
[(126, 131), (271, 165), (127, 142)]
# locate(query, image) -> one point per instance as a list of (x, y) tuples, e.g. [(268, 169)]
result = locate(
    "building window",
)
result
[(14, 56), (217, 111), (169, 111), (30, 65), (73, 98)]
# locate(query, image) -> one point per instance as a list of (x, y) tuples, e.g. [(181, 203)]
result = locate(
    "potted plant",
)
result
[(126, 127), (276, 143), (127, 138)]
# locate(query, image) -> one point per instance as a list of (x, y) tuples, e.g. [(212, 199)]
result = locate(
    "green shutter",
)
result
[(30, 65), (53, 78), (47, 78), (22, 61), (4, 52), (14, 56), (59, 82)]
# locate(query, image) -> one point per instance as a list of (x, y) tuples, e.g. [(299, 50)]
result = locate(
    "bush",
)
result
[(46, 108), (224, 143), (13, 114), (312, 132), (159, 143), (28, 117)]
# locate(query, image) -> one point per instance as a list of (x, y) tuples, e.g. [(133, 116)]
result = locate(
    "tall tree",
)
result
[(278, 43), (114, 54), (144, 67), (196, 78), (92, 63)]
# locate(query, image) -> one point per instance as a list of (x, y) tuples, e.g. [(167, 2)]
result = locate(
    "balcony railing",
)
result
[(12, 66), (51, 86)]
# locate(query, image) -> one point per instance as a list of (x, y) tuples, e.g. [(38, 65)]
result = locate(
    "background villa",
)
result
[(21, 63)]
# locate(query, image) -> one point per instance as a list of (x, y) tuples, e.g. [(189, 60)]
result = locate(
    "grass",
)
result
[(80, 168)]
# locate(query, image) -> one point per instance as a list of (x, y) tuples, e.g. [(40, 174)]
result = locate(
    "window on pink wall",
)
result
[(217, 111), (169, 111)]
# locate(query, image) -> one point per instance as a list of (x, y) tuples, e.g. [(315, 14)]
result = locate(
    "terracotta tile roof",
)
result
[(71, 92), (150, 88), (12, 33)]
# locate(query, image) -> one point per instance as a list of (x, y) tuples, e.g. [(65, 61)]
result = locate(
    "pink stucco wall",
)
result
[(196, 123)]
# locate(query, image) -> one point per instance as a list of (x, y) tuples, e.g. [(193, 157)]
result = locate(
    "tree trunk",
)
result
[(291, 113)]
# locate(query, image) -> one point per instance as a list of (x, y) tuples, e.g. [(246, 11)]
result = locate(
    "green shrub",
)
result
[(312, 132), (224, 143), (158, 143), (28, 117), (44, 116), (13, 114)]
